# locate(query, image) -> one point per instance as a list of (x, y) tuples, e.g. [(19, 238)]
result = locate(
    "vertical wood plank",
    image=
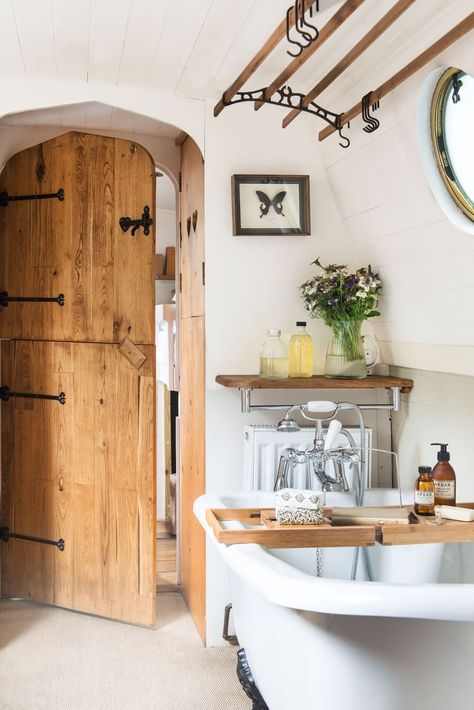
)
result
[(192, 473)]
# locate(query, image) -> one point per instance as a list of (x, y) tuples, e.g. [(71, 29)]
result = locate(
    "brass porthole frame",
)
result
[(438, 104)]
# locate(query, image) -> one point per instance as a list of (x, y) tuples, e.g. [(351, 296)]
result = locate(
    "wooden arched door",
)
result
[(84, 470)]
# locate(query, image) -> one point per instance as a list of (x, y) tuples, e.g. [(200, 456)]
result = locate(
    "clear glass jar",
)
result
[(345, 357), (274, 356), (300, 352)]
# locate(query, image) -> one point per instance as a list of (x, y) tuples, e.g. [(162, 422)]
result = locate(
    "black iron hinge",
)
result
[(6, 534), (6, 394), (5, 198), (5, 299)]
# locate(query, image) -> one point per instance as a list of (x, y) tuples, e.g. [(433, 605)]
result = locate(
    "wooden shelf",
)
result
[(262, 530), (165, 278), (315, 382), (288, 536)]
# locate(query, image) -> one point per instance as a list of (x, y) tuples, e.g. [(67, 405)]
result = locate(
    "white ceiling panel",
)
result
[(36, 37), (184, 23), (144, 30), (71, 23), (108, 29), (10, 51), (212, 45), (198, 47)]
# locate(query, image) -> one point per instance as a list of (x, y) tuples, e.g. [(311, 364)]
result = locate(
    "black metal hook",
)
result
[(301, 24), (292, 41), (304, 23), (457, 83), (344, 138), (372, 123)]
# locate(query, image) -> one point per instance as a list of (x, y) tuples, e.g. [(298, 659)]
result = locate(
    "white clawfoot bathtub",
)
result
[(403, 642)]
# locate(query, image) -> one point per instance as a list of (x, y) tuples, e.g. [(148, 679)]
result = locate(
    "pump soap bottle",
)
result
[(444, 478)]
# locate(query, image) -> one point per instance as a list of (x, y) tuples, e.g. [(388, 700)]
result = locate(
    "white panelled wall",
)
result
[(392, 221)]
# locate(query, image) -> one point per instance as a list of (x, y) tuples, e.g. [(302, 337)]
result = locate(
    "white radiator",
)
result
[(263, 445)]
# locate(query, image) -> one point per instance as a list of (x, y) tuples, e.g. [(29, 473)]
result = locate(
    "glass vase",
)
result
[(345, 357)]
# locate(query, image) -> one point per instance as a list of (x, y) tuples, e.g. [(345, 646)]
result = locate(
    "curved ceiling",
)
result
[(189, 47), (196, 48), (90, 116)]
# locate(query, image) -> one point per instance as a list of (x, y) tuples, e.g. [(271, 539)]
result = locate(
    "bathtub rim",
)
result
[(284, 585)]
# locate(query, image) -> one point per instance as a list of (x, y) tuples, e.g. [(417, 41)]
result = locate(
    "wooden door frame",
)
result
[(192, 481)]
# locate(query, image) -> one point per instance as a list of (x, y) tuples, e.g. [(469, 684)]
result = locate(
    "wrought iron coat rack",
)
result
[(313, 38)]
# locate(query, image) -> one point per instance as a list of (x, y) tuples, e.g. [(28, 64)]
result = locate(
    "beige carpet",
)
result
[(60, 660)]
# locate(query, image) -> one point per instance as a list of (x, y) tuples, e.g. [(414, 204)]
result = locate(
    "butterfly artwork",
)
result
[(266, 203), (270, 205)]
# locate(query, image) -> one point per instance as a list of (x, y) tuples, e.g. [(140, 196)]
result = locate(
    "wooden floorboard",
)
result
[(166, 578)]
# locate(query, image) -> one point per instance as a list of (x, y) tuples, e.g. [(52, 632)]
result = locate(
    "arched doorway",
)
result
[(166, 156)]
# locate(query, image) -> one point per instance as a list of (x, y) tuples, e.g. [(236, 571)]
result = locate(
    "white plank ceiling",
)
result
[(192, 48)]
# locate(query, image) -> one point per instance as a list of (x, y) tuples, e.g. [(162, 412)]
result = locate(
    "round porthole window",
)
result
[(452, 135)]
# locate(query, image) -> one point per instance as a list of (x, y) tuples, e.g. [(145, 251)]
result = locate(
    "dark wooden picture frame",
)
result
[(270, 205)]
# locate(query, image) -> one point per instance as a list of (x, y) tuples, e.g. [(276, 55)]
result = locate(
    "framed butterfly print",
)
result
[(270, 204)]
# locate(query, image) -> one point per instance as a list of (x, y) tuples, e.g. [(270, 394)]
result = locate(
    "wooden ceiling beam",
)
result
[(276, 36), (325, 32), (401, 76), (373, 34)]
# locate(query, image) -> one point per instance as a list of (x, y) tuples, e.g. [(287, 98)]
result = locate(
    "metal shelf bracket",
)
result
[(246, 406)]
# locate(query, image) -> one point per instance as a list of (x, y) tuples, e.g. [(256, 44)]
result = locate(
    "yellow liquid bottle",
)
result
[(300, 353)]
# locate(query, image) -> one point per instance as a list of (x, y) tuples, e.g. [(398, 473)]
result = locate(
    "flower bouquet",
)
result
[(343, 301)]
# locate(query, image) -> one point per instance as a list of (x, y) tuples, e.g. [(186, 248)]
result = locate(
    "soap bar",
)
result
[(370, 516), (452, 512)]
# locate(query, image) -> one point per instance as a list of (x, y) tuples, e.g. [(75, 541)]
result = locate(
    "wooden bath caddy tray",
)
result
[(265, 530)]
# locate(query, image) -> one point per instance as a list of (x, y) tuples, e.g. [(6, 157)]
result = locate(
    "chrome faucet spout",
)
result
[(318, 458)]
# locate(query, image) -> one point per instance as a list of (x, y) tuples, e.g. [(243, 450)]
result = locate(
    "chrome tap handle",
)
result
[(288, 460)]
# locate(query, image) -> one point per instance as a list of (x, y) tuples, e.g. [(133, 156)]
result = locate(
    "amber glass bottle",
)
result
[(444, 478), (424, 492)]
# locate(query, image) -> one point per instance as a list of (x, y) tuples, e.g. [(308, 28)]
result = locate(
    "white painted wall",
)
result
[(393, 222), (251, 285), (440, 408)]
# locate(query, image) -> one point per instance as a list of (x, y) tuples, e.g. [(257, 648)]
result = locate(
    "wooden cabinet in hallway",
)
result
[(83, 470)]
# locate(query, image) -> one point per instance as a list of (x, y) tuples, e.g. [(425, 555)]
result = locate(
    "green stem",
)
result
[(348, 338)]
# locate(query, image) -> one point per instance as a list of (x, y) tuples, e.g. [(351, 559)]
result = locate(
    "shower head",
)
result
[(288, 425)]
